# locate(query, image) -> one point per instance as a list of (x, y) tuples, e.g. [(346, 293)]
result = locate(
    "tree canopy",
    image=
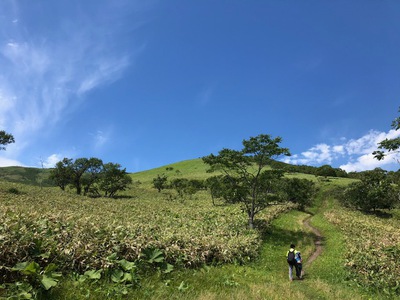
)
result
[(390, 145), (244, 178), (374, 191), (5, 139), (91, 175)]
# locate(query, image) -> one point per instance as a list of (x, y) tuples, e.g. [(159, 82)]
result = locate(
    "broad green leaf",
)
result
[(93, 274), (48, 282), (20, 266), (50, 268), (169, 268), (27, 268), (112, 257), (127, 277), (126, 265), (156, 256), (117, 275)]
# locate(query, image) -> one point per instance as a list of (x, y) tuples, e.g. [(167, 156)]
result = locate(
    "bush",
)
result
[(374, 191)]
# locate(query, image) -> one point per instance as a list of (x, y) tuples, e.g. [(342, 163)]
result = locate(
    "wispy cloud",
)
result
[(45, 74), (51, 161), (205, 96), (100, 138), (357, 153)]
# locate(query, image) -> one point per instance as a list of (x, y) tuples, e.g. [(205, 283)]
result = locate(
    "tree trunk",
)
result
[(78, 188), (251, 220)]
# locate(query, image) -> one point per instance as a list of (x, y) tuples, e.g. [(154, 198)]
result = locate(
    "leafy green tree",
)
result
[(374, 191), (325, 171), (92, 175), (245, 179), (300, 191), (62, 173), (113, 179), (5, 139), (390, 145), (394, 177), (160, 182), (182, 187), (213, 184), (78, 168)]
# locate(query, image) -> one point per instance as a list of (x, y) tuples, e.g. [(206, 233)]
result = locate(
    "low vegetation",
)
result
[(372, 248), (80, 234), (159, 240)]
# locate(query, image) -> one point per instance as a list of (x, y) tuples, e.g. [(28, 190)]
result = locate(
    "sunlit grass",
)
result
[(264, 277)]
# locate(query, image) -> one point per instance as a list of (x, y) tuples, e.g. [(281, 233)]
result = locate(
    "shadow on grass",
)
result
[(380, 214), (285, 237), (123, 197)]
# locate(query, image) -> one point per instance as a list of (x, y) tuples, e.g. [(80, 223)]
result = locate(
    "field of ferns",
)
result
[(78, 233)]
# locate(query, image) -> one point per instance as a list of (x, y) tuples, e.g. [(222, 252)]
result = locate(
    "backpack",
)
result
[(291, 259)]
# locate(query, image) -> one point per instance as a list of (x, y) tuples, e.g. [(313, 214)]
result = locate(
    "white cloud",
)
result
[(6, 162), (365, 162), (51, 161), (107, 72), (319, 154), (338, 149), (356, 152)]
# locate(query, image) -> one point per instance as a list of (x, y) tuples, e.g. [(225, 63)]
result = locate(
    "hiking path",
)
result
[(317, 241)]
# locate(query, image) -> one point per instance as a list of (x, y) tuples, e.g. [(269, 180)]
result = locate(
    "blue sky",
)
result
[(149, 83)]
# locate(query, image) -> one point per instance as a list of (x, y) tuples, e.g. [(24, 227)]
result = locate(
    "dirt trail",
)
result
[(317, 241)]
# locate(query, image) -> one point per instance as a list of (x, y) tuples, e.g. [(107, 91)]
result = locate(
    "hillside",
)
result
[(31, 176), (156, 245)]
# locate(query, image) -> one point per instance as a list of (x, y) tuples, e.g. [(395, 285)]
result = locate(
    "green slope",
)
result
[(31, 176)]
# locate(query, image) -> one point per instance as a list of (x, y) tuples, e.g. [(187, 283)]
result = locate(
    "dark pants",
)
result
[(299, 267)]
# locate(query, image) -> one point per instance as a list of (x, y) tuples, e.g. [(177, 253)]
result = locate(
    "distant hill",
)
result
[(31, 176), (192, 169)]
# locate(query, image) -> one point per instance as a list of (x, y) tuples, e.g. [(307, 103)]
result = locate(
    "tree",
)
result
[(62, 173), (390, 145), (183, 186), (374, 191), (92, 175), (78, 168), (245, 179), (160, 182), (300, 191), (113, 179), (5, 139), (325, 171)]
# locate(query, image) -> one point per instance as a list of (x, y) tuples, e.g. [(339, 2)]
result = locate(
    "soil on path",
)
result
[(317, 241)]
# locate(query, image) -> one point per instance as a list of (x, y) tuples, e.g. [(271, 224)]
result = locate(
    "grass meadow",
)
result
[(151, 245)]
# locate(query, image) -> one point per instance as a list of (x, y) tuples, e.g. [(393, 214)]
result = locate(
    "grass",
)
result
[(31, 176), (265, 277)]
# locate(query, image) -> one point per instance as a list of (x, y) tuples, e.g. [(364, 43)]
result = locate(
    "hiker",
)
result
[(299, 269), (291, 259)]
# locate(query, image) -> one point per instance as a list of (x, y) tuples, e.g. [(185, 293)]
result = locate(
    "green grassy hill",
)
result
[(32, 176), (192, 169), (187, 248)]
